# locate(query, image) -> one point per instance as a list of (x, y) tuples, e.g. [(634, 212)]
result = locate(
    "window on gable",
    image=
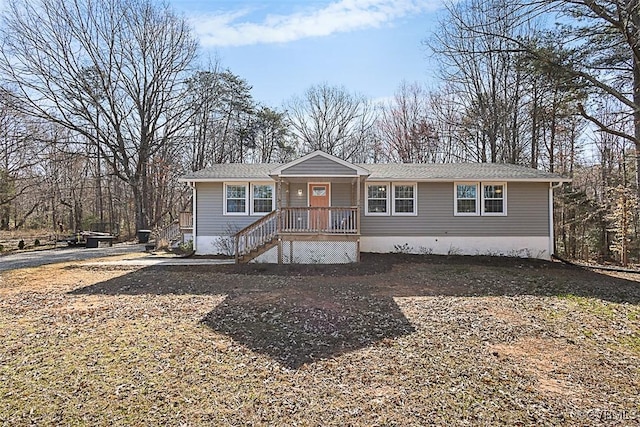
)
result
[(404, 199), (466, 199), (236, 196), (377, 199), (262, 198), (493, 199)]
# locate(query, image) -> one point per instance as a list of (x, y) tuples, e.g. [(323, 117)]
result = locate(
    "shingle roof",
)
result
[(456, 171), (390, 171), (232, 171)]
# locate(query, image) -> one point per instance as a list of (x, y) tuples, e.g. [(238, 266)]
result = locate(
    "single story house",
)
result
[(322, 209)]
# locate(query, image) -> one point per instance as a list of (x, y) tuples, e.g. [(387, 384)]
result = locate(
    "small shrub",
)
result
[(316, 259), (226, 245), (402, 249), (489, 252), (1, 247), (423, 250), (36, 242), (453, 251), (186, 247), (21, 244)]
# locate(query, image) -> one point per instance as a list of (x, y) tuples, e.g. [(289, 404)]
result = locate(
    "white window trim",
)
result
[(366, 199), (415, 199), (251, 198), (455, 198), (504, 198), (246, 198)]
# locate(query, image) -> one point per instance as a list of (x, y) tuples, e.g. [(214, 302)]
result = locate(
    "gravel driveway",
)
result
[(64, 254)]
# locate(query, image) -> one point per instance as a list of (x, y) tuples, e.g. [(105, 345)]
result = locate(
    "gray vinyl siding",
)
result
[(320, 166), (297, 201), (340, 195), (527, 212), (527, 215), (209, 207)]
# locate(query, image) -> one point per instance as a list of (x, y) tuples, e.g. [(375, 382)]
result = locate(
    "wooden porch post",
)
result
[(237, 243), (358, 208), (279, 193), (358, 220), (279, 219)]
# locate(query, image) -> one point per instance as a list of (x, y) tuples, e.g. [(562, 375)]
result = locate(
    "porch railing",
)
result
[(256, 234), (330, 220), (306, 220), (186, 220)]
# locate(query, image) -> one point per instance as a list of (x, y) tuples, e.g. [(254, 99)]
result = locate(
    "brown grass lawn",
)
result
[(397, 340)]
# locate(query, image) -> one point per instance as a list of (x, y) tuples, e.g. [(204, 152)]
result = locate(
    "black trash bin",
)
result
[(143, 236)]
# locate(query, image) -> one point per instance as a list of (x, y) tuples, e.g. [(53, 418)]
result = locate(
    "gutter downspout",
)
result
[(195, 214), (552, 239)]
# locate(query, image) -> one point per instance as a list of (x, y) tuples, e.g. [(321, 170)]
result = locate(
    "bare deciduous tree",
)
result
[(21, 149), (331, 119), (405, 129), (113, 71), (478, 62)]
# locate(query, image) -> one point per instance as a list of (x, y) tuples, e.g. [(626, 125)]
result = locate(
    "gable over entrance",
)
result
[(319, 163)]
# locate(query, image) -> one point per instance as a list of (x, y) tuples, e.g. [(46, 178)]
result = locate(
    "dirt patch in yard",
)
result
[(547, 359), (394, 340)]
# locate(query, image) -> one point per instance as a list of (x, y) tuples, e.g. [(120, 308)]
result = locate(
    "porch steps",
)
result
[(257, 251), (168, 236)]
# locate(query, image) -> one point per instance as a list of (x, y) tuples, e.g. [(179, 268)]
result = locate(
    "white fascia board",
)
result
[(377, 179), (315, 175), (254, 179)]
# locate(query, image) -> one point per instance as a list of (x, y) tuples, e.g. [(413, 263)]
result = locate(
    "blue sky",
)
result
[(282, 47)]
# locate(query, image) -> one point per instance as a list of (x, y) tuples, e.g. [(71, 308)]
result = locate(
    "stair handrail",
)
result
[(166, 235), (256, 234)]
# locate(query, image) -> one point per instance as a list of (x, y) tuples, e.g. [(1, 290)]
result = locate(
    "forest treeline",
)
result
[(104, 104)]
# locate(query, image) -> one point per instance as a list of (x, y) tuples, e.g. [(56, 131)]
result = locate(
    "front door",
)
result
[(319, 196)]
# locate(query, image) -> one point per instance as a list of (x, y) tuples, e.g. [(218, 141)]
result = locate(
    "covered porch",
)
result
[(313, 220), (316, 217)]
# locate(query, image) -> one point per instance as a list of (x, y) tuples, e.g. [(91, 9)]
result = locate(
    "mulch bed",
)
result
[(395, 340)]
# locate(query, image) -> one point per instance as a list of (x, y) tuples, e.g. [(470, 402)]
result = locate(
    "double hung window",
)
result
[(391, 198), (377, 199), (493, 199), (236, 198), (475, 198), (404, 199), (262, 195), (466, 202), (245, 198)]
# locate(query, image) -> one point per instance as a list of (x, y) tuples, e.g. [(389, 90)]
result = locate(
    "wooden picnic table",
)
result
[(90, 239), (94, 240)]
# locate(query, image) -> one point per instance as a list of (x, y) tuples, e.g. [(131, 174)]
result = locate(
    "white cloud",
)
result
[(228, 29)]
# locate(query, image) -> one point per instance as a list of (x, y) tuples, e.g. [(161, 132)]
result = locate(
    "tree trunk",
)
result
[(534, 127), (139, 197)]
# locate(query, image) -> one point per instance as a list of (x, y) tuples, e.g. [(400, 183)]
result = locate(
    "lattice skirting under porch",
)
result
[(313, 252)]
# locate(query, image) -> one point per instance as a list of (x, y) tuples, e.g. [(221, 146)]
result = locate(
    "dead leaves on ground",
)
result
[(166, 346)]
